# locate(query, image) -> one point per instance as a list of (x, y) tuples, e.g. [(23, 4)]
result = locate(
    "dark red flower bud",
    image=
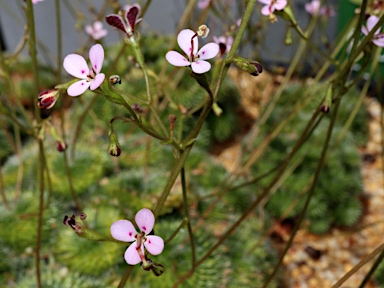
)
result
[(47, 98)]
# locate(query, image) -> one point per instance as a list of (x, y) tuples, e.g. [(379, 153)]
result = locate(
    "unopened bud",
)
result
[(47, 98), (114, 146), (61, 146), (203, 31), (115, 79), (326, 106), (137, 108), (258, 68)]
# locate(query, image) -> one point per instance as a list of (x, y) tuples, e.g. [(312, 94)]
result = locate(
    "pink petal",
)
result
[(184, 40), (78, 88), (123, 230), (266, 10), (89, 29), (97, 81), (176, 59), (378, 42), (96, 55), (266, 2), (145, 220), (280, 4), (371, 22), (131, 255), (200, 67), (76, 66), (98, 25), (208, 51), (154, 244)]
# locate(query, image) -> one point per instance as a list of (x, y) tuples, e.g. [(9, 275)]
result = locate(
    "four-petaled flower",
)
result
[(123, 230), (378, 38), (130, 17), (187, 40), (91, 78), (272, 5), (96, 30)]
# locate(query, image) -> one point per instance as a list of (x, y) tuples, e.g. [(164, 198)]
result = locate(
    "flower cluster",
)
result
[(188, 42), (91, 78), (123, 230), (314, 9)]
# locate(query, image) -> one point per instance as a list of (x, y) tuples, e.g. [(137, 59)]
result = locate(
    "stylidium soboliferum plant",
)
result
[(222, 147)]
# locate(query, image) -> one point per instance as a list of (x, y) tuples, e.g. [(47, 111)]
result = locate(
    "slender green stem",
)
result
[(41, 211), (356, 268), (372, 270), (186, 215), (126, 275), (174, 234)]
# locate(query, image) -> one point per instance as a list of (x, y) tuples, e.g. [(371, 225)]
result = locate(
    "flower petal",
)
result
[(371, 22), (96, 55), (200, 67), (378, 42), (267, 10), (123, 230), (208, 51), (76, 66), (132, 14), (78, 88), (116, 21), (280, 4), (184, 40), (154, 244), (176, 59), (266, 2), (145, 220), (131, 255), (97, 81)]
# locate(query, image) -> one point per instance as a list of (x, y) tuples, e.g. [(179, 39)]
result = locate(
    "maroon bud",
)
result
[(115, 151), (61, 146), (137, 108), (222, 48), (325, 109), (258, 67), (47, 98)]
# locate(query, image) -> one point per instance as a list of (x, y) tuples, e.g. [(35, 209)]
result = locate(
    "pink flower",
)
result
[(203, 4), (314, 9), (272, 5), (36, 1), (224, 42), (127, 25), (188, 42), (91, 78), (123, 230), (96, 30), (378, 38)]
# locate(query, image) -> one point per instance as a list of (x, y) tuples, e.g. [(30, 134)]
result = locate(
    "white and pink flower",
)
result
[(188, 42), (96, 30), (378, 38), (272, 5), (123, 230), (91, 78)]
